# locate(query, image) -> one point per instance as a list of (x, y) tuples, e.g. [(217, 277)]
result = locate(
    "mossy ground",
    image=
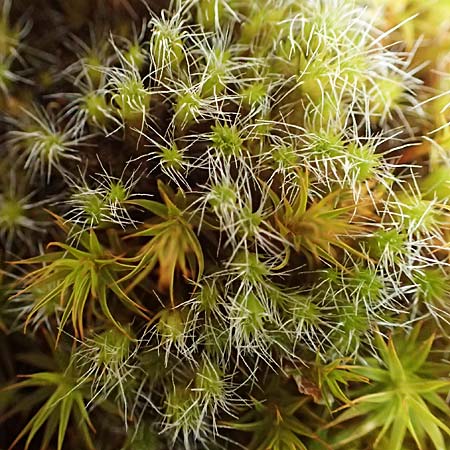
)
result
[(224, 224)]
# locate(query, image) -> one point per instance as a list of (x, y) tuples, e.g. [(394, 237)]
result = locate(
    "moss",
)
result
[(224, 224)]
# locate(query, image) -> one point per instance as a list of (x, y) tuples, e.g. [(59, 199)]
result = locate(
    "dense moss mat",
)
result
[(224, 224)]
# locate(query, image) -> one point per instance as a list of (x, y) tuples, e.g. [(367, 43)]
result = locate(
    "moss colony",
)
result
[(225, 224)]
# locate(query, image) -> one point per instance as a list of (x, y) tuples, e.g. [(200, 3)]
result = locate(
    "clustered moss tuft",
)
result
[(224, 224)]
